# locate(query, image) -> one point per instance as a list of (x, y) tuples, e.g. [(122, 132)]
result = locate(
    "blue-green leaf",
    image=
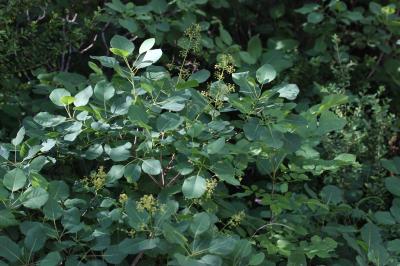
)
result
[(194, 187)]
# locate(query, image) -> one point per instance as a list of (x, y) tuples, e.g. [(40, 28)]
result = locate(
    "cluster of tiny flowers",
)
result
[(211, 184), (193, 35), (147, 203), (236, 219), (185, 73), (223, 90), (96, 179), (224, 66), (123, 198), (130, 232), (205, 93)]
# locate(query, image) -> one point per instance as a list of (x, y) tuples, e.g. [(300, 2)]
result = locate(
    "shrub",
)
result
[(144, 163), (263, 147)]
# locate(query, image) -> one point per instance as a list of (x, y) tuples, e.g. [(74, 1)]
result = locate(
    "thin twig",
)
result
[(137, 258), (376, 66), (162, 171), (90, 45), (154, 180), (173, 179), (103, 37), (68, 58)]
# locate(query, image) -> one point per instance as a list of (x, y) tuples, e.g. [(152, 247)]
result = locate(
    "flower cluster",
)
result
[(147, 203), (192, 42), (236, 219), (226, 65), (123, 198), (97, 179), (211, 184)]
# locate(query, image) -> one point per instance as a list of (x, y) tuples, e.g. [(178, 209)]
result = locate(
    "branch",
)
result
[(137, 258), (376, 66)]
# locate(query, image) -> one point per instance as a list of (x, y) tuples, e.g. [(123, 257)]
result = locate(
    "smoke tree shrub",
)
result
[(136, 166)]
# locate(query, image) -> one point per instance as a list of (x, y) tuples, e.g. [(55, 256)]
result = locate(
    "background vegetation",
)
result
[(199, 132)]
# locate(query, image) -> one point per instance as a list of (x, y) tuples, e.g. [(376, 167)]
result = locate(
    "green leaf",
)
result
[(67, 100), (370, 234), (210, 260), (187, 261), (95, 68), (200, 76), (216, 146), (14, 179), (332, 194), (329, 121), (385, 218), (392, 165), (225, 171), (222, 245), (253, 130), (257, 259), (7, 219), (115, 173), (106, 60), (137, 113), (200, 224), (174, 104), (151, 167), (82, 97), (58, 190), (136, 219), (168, 121), (19, 138), (320, 247), (132, 173), (10, 250), (51, 259), (265, 74), (52, 210), (35, 238), (46, 119), (34, 198), (315, 17), (346, 158), (71, 220), (47, 145), (133, 246), (191, 83), (129, 24), (173, 236), (121, 46), (149, 58), (194, 187), (119, 153), (225, 36), (330, 101), (393, 185), (247, 57), (297, 258), (114, 255), (94, 151), (57, 95), (104, 91), (254, 47), (246, 86), (147, 45), (394, 246), (288, 91), (307, 8)]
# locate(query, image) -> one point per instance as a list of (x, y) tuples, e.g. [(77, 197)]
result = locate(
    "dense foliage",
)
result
[(200, 132)]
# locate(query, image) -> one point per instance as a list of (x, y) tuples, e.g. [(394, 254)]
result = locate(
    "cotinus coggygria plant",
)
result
[(135, 166)]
